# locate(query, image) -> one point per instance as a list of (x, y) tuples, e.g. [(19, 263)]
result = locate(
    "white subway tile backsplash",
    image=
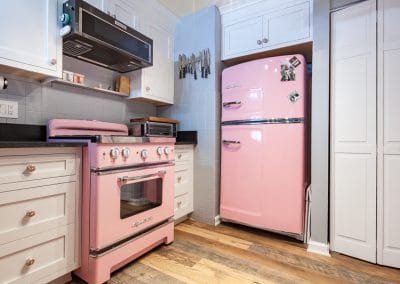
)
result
[(38, 103)]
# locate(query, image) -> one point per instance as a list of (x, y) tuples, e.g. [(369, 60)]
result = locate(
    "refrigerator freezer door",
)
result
[(263, 176), (255, 90)]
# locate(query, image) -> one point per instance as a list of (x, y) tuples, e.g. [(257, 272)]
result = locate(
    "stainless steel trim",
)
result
[(231, 87), (126, 178), (293, 120), (134, 237), (128, 168), (299, 237), (230, 142), (109, 139), (103, 42), (93, 61), (229, 104)]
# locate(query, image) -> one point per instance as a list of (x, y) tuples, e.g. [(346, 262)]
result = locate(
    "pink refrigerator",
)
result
[(264, 152)]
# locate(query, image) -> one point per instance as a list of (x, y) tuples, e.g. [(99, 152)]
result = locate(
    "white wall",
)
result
[(197, 104), (184, 7)]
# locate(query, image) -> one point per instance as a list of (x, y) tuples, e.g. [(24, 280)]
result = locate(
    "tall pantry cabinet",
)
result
[(365, 131)]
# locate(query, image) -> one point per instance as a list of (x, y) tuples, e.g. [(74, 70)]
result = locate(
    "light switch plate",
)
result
[(8, 109)]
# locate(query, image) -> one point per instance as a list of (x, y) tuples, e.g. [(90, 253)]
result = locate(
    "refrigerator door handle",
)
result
[(227, 142), (229, 104)]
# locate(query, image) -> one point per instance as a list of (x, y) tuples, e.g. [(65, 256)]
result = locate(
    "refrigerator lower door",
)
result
[(263, 176)]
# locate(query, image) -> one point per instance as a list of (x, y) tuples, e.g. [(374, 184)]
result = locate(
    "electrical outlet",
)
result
[(8, 109)]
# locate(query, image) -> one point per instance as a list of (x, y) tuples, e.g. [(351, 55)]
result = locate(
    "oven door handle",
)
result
[(126, 178)]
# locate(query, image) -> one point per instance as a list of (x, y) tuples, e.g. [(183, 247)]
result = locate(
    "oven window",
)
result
[(139, 197)]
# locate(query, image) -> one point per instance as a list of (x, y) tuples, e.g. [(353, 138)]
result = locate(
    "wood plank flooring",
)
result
[(236, 254)]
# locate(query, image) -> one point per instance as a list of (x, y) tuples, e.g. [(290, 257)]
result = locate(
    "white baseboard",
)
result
[(318, 248), (217, 220)]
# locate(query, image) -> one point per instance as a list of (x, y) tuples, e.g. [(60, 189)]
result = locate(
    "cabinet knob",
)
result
[(180, 156), (114, 16), (259, 42), (179, 179), (147, 88), (53, 61), (179, 204), (265, 40), (30, 213), (30, 261), (30, 168)]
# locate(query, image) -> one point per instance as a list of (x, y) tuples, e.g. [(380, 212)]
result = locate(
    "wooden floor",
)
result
[(237, 254)]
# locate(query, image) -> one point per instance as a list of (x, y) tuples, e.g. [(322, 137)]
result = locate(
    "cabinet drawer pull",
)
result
[(30, 168), (30, 261), (30, 213), (227, 142), (230, 104), (179, 179), (180, 156)]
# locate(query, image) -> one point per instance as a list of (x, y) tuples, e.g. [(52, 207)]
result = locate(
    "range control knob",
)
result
[(125, 153), (114, 153), (160, 151), (144, 154), (167, 150)]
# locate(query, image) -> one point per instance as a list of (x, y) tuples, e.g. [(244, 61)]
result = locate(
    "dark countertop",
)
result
[(186, 138), (28, 136), (32, 144)]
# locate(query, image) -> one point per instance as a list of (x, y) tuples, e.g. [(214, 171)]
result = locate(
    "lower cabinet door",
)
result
[(35, 210), (31, 259)]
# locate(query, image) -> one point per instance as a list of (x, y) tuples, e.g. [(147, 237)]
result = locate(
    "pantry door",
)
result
[(389, 133), (353, 131)]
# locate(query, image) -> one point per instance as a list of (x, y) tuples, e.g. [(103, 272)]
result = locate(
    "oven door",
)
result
[(125, 203)]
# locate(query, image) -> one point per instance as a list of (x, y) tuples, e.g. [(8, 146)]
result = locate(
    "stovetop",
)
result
[(103, 139)]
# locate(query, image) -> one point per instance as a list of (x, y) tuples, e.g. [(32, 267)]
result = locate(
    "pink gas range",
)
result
[(127, 194)]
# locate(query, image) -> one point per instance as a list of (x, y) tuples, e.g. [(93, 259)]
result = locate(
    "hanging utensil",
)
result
[(208, 61), (202, 63), (184, 65), (180, 66)]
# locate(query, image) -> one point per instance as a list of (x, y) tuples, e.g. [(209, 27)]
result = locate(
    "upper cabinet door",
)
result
[(34, 45), (158, 80), (265, 25), (124, 11), (288, 25), (245, 36), (97, 3)]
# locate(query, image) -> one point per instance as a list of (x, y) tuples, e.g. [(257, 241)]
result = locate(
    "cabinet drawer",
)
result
[(183, 155), (183, 181), (34, 210), (30, 259), (183, 205), (33, 167)]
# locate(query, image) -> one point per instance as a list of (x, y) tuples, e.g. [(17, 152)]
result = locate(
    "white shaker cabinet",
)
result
[(30, 39), (99, 4), (156, 83), (365, 128), (40, 195), (183, 204), (123, 10), (267, 25)]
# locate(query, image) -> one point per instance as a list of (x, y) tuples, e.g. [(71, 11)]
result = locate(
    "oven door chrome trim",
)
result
[(126, 178), (97, 252), (131, 167)]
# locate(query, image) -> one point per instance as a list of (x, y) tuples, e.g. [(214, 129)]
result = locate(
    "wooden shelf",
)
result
[(76, 85)]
